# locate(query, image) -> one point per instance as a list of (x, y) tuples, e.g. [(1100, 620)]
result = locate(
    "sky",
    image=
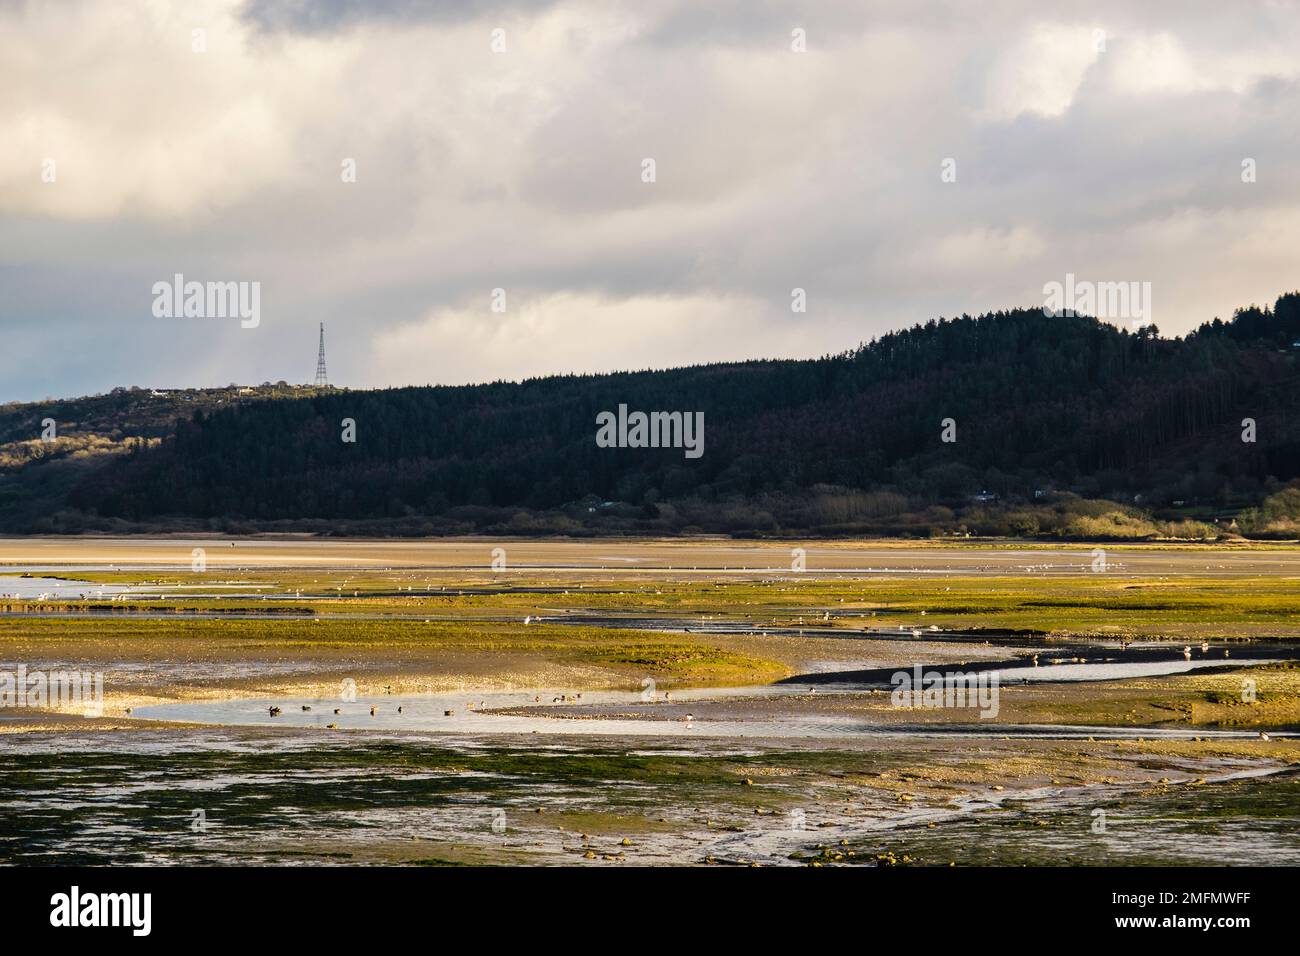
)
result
[(386, 166)]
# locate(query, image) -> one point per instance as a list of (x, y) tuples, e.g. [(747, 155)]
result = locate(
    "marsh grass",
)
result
[(637, 652), (1077, 605)]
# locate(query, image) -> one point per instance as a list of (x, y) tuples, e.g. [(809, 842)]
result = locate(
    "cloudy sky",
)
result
[(1101, 139)]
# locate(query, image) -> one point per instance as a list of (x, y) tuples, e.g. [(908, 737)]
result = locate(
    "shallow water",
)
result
[(29, 588), (223, 796), (634, 714), (32, 588), (422, 784), (1239, 818)]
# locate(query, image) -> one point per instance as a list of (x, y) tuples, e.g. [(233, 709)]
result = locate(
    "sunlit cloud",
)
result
[(1106, 138)]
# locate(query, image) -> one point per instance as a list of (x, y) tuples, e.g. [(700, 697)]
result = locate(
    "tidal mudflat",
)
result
[(614, 703)]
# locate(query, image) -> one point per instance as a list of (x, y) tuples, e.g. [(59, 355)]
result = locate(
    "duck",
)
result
[(305, 707), (372, 711), (274, 711), (338, 710)]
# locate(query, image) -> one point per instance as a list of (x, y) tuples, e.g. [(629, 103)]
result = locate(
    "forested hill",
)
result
[(1046, 411)]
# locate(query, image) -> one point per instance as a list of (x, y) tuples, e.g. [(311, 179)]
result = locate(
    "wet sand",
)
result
[(265, 796), (616, 556), (805, 771)]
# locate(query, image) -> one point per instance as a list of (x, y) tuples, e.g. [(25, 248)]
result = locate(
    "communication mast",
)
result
[(322, 380)]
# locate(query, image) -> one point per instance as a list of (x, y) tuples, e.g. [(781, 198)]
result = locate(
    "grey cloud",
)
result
[(329, 16), (775, 171)]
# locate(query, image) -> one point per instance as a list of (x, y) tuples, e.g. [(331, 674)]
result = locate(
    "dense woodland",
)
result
[(1064, 426)]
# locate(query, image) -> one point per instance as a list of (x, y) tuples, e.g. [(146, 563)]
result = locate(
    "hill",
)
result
[(88, 433), (1062, 426)]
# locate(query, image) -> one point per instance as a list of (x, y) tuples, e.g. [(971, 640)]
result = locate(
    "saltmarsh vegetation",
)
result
[(1110, 604), (1101, 606), (363, 800), (637, 653)]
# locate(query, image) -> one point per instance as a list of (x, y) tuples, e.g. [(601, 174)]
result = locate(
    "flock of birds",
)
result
[(915, 632), (1125, 645), (276, 711)]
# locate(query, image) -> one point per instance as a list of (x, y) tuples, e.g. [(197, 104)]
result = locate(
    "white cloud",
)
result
[(138, 123), (581, 332), (1161, 64), (521, 170), (1042, 72)]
